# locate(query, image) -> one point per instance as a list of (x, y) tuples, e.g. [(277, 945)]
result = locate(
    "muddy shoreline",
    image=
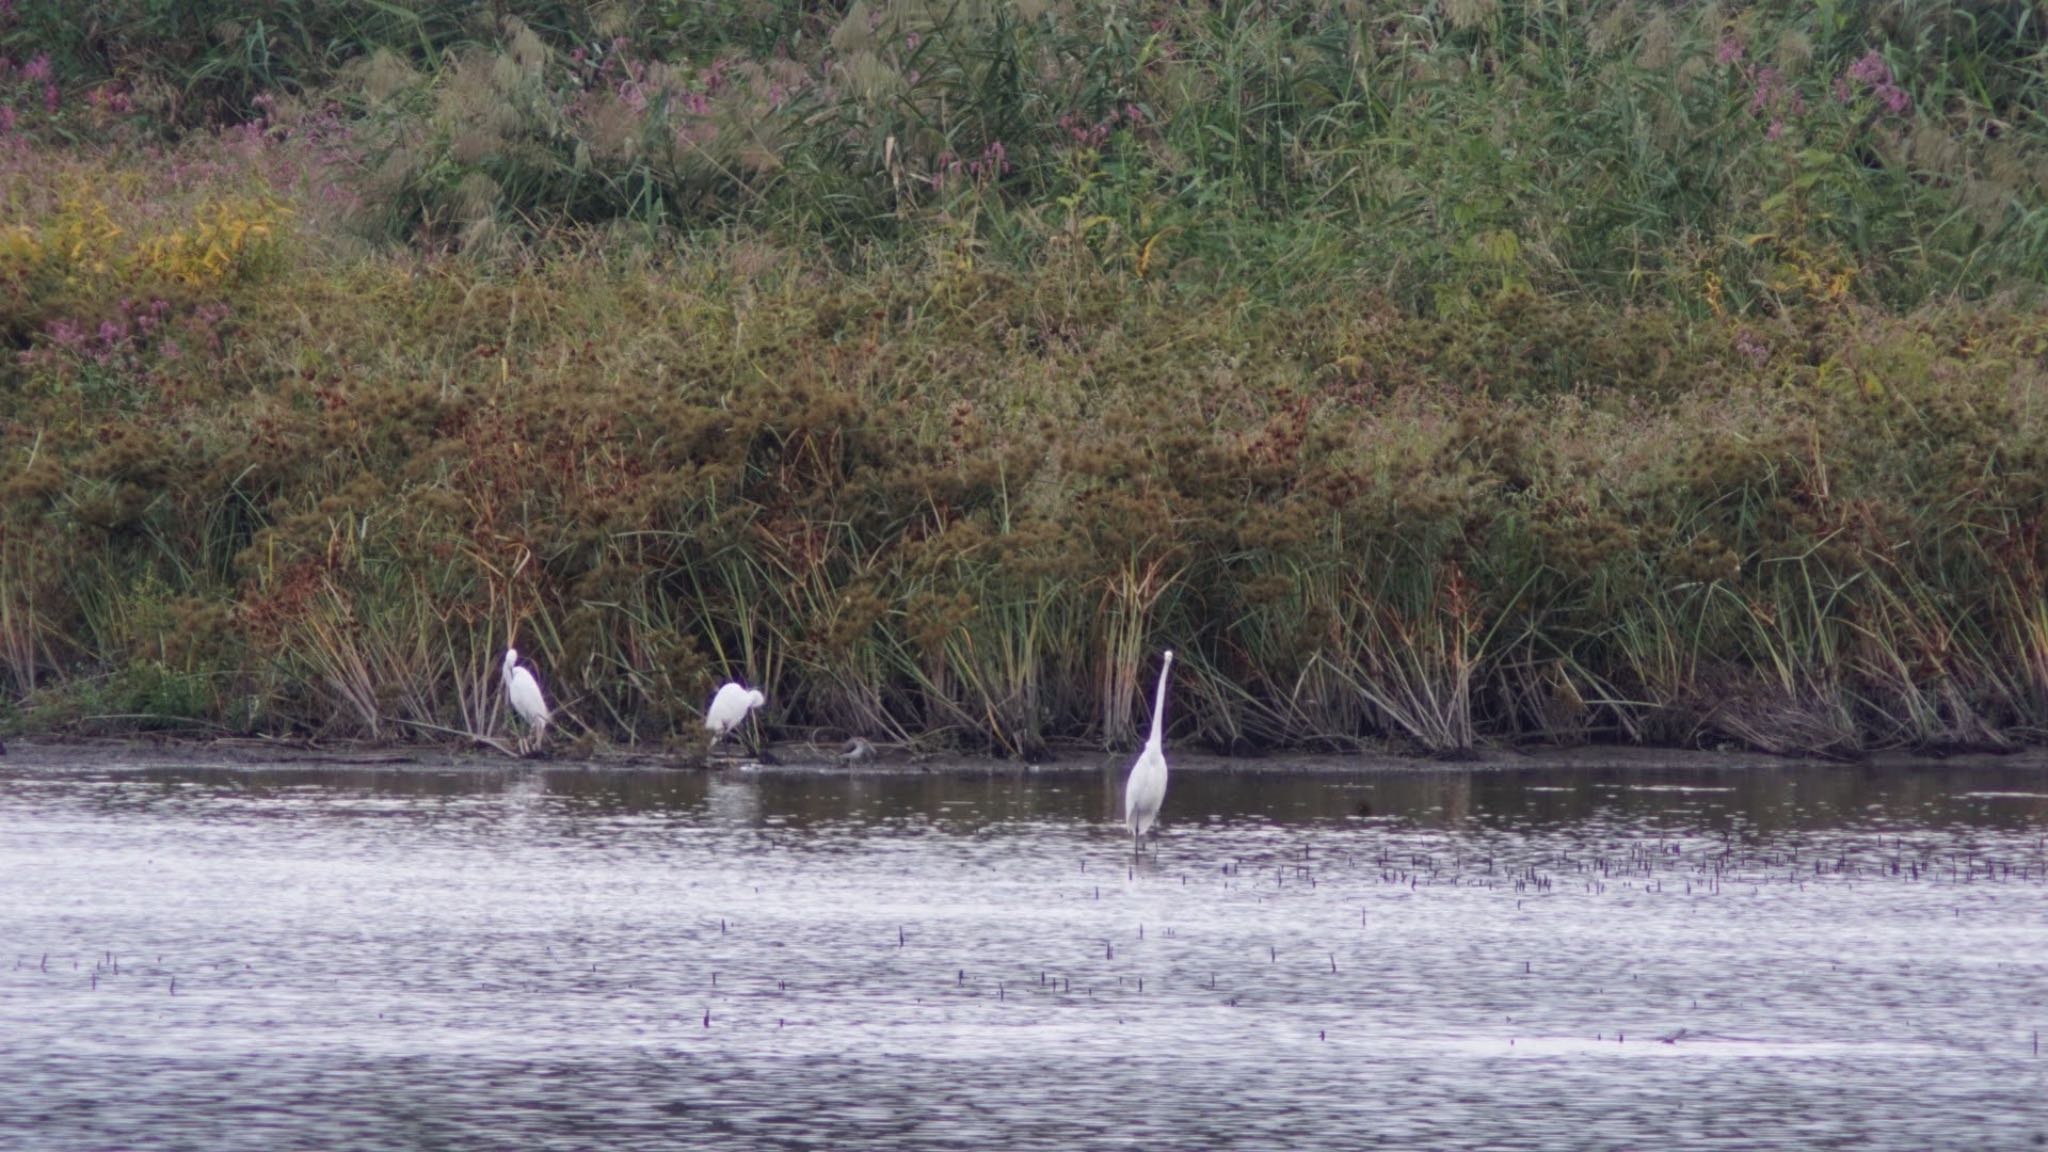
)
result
[(821, 759)]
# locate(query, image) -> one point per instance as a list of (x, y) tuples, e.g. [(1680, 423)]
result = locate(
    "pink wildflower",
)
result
[(1873, 75), (1767, 85), (1871, 69), (68, 334)]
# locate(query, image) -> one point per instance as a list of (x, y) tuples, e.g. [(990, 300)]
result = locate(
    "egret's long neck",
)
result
[(1159, 706)]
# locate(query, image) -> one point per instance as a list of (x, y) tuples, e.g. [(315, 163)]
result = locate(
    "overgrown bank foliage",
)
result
[(1434, 374)]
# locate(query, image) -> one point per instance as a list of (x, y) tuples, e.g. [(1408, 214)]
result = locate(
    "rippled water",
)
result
[(361, 957)]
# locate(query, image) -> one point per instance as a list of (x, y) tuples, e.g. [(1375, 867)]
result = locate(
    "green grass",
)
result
[(1742, 160)]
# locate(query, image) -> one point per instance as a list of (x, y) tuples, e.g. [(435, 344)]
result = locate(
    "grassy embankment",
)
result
[(1667, 375)]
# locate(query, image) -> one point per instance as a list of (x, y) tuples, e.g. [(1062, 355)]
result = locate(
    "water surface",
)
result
[(237, 957)]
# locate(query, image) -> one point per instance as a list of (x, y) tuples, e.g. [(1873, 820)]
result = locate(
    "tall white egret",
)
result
[(1145, 788), (729, 709), (523, 691)]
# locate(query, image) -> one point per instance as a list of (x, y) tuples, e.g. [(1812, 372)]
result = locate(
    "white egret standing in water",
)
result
[(1145, 788), (524, 693), (729, 709)]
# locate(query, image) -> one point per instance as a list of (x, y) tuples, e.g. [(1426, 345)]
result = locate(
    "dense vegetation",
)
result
[(1426, 373)]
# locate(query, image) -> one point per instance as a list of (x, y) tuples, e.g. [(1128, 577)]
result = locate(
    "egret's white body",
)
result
[(523, 691), (1145, 788), (729, 708)]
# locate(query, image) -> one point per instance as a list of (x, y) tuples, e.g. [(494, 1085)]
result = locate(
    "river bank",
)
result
[(1683, 386)]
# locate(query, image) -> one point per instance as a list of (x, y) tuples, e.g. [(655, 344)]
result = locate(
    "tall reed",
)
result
[(1493, 373)]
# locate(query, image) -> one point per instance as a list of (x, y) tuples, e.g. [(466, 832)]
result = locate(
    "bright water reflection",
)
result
[(227, 958)]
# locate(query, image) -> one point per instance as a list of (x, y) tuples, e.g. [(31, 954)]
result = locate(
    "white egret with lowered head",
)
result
[(1145, 787), (729, 709), (524, 693)]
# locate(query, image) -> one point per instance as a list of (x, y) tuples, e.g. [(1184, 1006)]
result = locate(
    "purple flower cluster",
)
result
[(117, 338), (207, 322), (37, 71), (111, 99), (121, 340), (612, 70), (1873, 76), (993, 163), (1097, 134), (1770, 95), (39, 76)]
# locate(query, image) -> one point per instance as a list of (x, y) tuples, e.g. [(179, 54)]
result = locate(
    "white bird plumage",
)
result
[(523, 690), (1145, 787), (729, 709)]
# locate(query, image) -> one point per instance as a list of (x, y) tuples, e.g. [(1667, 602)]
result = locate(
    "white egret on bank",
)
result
[(1145, 788), (523, 691), (729, 709)]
